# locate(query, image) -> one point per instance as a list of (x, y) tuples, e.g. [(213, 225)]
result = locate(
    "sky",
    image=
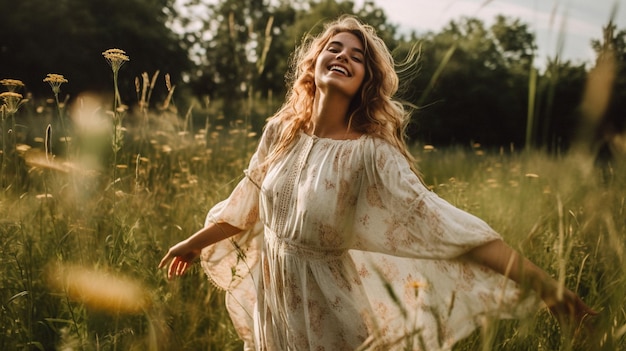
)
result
[(582, 20)]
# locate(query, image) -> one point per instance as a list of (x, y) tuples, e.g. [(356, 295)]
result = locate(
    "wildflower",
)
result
[(12, 84), (12, 101), (115, 58), (22, 148), (55, 81), (100, 290), (416, 284)]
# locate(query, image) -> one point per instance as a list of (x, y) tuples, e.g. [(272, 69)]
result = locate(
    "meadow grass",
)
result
[(550, 208), (565, 215), (86, 218)]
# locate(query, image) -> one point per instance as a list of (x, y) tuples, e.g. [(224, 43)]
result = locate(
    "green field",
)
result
[(86, 218)]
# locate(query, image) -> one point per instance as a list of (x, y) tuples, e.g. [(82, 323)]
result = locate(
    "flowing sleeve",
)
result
[(232, 264), (397, 215), (408, 241), (241, 208)]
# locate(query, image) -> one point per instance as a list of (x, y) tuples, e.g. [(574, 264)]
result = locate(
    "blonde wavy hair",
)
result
[(373, 110)]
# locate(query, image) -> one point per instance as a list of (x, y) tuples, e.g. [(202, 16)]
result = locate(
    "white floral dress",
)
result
[(343, 248)]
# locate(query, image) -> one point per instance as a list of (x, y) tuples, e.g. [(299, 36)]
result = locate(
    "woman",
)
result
[(335, 244)]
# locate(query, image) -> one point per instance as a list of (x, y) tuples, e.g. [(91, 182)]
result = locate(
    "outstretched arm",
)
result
[(183, 253), (565, 304)]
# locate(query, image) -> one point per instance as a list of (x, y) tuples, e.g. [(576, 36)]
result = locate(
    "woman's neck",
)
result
[(330, 117)]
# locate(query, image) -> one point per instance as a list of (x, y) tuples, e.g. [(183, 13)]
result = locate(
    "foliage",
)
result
[(64, 36), (241, 50), (559, 91), (461, 106)]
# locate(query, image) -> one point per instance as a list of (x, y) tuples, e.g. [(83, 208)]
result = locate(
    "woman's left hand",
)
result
[(569, 309)]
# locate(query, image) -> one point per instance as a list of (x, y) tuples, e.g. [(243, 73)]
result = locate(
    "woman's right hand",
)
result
[(182, 256), (185, 252)]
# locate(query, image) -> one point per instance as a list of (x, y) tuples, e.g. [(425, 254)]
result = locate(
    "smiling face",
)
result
[(340, 67)]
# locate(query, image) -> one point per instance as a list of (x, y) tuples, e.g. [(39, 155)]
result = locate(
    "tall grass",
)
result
[(83, 227), (568, 220)]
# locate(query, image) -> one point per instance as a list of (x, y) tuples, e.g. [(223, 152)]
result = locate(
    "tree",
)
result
[(246, 46), (473, 87), (68, 37), (231, 51), (559, 91), (515, 42)]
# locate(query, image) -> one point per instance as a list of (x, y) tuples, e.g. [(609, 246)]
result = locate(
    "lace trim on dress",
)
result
[(287, 247), (285, 197)]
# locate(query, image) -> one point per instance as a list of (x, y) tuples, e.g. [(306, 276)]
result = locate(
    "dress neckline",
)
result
[(331, 140)]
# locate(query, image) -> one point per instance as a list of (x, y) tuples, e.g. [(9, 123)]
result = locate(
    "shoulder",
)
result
[(382, 156), (388, 172), (381, 150), (271, 134), (272, 129), (381, 159)]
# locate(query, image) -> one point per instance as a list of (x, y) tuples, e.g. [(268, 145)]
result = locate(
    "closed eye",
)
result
[(337, 46)]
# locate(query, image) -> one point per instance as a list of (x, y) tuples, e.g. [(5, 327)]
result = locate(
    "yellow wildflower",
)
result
[(115, 58), (12, 101), (104, 291), (55, 81), (12, 85), (416, 284)]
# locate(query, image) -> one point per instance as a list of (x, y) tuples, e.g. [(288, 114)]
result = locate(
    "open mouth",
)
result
[(339, 69)]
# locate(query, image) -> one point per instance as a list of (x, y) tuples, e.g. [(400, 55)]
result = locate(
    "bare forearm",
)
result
[(562, 302), (211, 234), (182, 254), (503, 259)]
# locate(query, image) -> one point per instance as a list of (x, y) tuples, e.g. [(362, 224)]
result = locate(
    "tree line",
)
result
[(470, 82)]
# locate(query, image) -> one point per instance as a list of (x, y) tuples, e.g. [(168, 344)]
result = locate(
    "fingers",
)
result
[(588, 310), (177, 267), (173, 268), (164, 260), (572, 313), (581, 310), (181, 257), (182, 268)]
